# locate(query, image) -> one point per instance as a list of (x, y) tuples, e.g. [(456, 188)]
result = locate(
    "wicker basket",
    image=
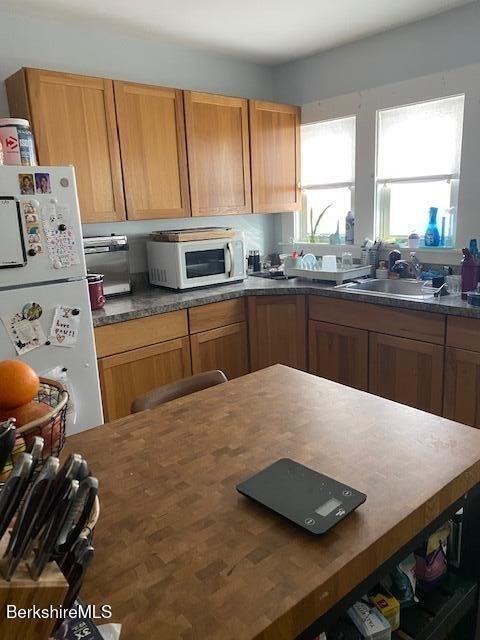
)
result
[(51, 427)]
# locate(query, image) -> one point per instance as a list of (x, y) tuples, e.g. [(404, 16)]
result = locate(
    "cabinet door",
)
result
[(275, 156), (407, 371), (225, 348), (218, 154), (338, 353), (277, 331), (462, 386), (74, 123), (152, 142), (126, 376)]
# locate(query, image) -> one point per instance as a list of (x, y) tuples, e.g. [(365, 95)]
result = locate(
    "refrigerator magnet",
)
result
[(25, 335), (26, 183), (65, 326), (42, 183)]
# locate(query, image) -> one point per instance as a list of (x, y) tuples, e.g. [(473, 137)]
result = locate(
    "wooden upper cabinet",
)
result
[(218, 154), (73, 119), (338, 353), (275, 156), (152, 143), (407, 371)]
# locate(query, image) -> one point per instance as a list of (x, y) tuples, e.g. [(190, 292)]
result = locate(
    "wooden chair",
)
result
[(178, 389)]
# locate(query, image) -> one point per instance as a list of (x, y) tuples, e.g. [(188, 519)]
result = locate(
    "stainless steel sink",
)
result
[(410, 289)]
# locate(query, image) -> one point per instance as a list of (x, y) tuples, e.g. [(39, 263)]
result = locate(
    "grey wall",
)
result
[(85, 48), (444, 42)]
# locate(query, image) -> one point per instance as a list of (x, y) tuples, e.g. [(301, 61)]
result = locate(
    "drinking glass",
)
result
[(454, 285)]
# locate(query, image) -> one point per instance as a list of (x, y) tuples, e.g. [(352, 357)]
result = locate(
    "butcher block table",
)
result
[(180, 554)]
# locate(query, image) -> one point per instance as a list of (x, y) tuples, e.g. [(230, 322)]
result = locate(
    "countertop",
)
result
[(180, 554), (156, 300)]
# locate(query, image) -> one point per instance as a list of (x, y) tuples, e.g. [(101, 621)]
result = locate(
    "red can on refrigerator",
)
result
[(95, 291)]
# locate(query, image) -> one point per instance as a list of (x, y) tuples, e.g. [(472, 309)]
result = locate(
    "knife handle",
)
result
[(7, 443)]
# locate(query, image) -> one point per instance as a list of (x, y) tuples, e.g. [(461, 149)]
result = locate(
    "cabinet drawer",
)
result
[(217, 314), (418, 325), (463, 333), (132, 334)]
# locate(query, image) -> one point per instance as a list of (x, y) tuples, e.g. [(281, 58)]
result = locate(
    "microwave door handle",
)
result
[(96, 250), (232, 261)]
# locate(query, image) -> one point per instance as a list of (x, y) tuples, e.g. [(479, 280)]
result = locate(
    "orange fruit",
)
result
[(18, 383), (26, 412)]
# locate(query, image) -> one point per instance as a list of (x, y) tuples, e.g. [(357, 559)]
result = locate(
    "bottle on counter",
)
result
[(470, 272), (250, 261), (256, 261), (432, 234), (349, 228), (382, 272)]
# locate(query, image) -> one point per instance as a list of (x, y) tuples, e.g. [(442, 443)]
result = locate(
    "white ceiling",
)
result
[(265, 31)]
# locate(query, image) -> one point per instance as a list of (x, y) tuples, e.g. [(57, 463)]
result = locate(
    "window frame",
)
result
[(301, 217), (382, 192)]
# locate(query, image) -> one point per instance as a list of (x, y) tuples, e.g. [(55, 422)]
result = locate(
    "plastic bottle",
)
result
[(470, 272), (349, 228), (432, 235)]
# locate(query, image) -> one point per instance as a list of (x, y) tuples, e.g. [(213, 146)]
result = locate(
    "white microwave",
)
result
[(196, 263)]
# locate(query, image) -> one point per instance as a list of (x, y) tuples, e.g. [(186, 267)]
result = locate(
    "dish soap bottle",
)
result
[(432, 235), (349, 228)]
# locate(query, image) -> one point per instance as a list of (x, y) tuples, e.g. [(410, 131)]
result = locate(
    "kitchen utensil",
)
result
[(95, 291), (7, 441), (67, 472), (78, 514), (22, 531), (55, 522), (347, 260), (309, 261), (76, 574), (329, 263), (310, 499), (454, 285), (13, 490)]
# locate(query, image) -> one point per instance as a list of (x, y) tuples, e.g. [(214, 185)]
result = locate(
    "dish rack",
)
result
[(339, 276)]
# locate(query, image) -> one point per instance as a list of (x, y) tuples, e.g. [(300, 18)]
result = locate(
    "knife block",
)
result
[(23, 592)]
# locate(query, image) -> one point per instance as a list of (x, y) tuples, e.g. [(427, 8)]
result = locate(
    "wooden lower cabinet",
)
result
[(406, 371), (462, 386), (338, 353), (225, 348), (277, 331), (125, 376)]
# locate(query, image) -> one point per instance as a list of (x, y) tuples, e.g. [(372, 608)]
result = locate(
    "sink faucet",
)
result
[(408, 268)]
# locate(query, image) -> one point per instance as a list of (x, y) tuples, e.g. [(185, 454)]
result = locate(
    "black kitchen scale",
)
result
[(307, 498)]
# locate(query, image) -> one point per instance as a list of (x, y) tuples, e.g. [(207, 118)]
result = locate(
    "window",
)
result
[(328, 178), (418, 167)]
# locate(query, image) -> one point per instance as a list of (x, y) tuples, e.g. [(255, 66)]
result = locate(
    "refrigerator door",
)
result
[(49, 229), (79, 359)]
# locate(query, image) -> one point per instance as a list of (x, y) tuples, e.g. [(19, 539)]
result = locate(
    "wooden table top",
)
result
[(180, 554)]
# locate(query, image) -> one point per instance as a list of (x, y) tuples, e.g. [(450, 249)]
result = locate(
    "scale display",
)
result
[(304, 496)]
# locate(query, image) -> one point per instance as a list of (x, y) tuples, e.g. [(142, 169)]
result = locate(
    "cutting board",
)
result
[(184, 235)]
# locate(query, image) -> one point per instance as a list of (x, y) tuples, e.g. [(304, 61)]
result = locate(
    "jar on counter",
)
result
[(17, 141)]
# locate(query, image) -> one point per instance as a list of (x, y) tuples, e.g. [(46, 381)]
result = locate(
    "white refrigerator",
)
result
[(45, 316)]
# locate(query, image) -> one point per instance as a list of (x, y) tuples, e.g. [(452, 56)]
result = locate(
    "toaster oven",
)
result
[(109, 256)]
